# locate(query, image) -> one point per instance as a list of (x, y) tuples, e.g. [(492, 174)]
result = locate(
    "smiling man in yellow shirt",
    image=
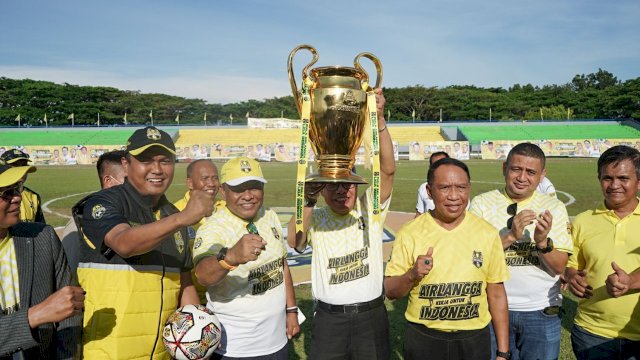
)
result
[(604, 268), (451, 264)]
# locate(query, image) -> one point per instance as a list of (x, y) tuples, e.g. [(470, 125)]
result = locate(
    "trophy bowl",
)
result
[(338, 116)]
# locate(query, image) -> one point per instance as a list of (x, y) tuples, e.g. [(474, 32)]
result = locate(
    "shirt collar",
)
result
[(144, 201), (602, 209)]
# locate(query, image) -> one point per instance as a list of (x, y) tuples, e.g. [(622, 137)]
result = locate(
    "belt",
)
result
[(552, 310), (352, 308)]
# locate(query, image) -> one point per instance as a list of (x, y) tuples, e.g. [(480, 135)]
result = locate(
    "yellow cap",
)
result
[(10, 175), (240, 170)]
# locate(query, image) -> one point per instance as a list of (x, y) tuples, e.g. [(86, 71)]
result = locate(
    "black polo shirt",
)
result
[(100, 212)]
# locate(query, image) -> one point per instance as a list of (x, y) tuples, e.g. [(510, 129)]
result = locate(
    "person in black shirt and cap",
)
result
[(135, 259)]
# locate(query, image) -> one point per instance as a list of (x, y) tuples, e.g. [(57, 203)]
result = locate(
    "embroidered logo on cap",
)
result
[(244, 166), (153, 134)]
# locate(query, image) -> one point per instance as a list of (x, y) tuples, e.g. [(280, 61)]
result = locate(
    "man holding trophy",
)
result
[(347, 263)]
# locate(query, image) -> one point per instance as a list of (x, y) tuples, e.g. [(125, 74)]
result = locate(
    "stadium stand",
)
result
[(407, 134), (93, 136), (475, 134), (235, 136)]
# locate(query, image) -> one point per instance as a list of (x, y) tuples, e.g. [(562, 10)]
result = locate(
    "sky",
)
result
[(237, 50)]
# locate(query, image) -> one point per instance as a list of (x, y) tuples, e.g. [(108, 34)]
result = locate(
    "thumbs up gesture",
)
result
[(422, 266), (618, 282)]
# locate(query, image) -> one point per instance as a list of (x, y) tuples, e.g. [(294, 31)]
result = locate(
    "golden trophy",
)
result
[(338, 114)]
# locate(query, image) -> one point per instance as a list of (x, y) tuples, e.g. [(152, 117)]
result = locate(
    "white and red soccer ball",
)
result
[(192, 332)]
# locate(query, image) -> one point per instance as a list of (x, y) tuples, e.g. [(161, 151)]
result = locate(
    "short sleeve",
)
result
[(401, 256), (100, 214), (208, 241), (498, 271), (576, 260)]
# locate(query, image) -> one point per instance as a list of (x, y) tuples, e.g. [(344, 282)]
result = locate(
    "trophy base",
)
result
[(351, 179)]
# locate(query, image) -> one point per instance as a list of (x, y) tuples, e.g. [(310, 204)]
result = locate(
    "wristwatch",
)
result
[(310, 202), (221, 255), (548, 248), (505, 355)]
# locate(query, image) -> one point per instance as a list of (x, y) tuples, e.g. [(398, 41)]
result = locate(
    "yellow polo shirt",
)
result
[(600, 237), (453, 295)]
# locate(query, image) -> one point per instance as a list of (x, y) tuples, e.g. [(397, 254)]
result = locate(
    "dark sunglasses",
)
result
[(335, 186), (511, 210), (252, 229), (9, 192)]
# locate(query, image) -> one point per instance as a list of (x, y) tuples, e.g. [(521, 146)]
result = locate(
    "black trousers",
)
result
[(339, 336), (420, 342)]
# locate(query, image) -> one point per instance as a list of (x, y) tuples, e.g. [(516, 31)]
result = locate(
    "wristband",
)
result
[(383, 129), (292, 310), (225, 265)]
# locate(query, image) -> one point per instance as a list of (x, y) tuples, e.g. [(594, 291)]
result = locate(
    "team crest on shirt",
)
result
[(477, 259), (98, 211), (177, 237), (276, 234), (244, 166), (153, 134), (191, 232), (197, 243)]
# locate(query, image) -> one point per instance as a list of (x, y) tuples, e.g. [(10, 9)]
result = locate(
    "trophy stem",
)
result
[(335, 168)]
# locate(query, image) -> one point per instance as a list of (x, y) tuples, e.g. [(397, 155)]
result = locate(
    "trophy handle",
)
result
[(305, 72), (376, 62)]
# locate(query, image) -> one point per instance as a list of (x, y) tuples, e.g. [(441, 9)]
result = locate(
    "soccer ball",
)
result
[(192, 332)]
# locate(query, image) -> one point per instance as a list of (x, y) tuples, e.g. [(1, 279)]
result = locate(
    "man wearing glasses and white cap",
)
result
[(240, 255), (350, 321)]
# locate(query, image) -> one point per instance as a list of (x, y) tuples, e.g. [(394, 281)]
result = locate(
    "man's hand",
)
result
[(618, 282), (60, 305), (520, 221), (577, 280), (422, 266), (312, 190), (543, 227), (248, 248), (380, 101), (200, 205), (293, 328)]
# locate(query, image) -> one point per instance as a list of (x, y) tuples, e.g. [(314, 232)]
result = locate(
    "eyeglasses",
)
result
[(252, 229), (9, 192), (511, 210), (336, 186)]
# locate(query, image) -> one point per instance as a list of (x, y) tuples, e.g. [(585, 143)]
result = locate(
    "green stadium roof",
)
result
[(476, 134)]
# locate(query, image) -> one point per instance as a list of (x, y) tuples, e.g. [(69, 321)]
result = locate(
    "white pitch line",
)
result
[(571, 198), (45, 206)]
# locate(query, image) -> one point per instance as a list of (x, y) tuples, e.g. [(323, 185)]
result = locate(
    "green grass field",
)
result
[(61, 187)]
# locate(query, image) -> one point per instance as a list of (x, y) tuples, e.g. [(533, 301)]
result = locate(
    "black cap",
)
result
[(142, 139), (13, 155)]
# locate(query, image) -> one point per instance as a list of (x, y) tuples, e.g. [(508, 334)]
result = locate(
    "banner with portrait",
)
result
[(422, 150), (63, 155)]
